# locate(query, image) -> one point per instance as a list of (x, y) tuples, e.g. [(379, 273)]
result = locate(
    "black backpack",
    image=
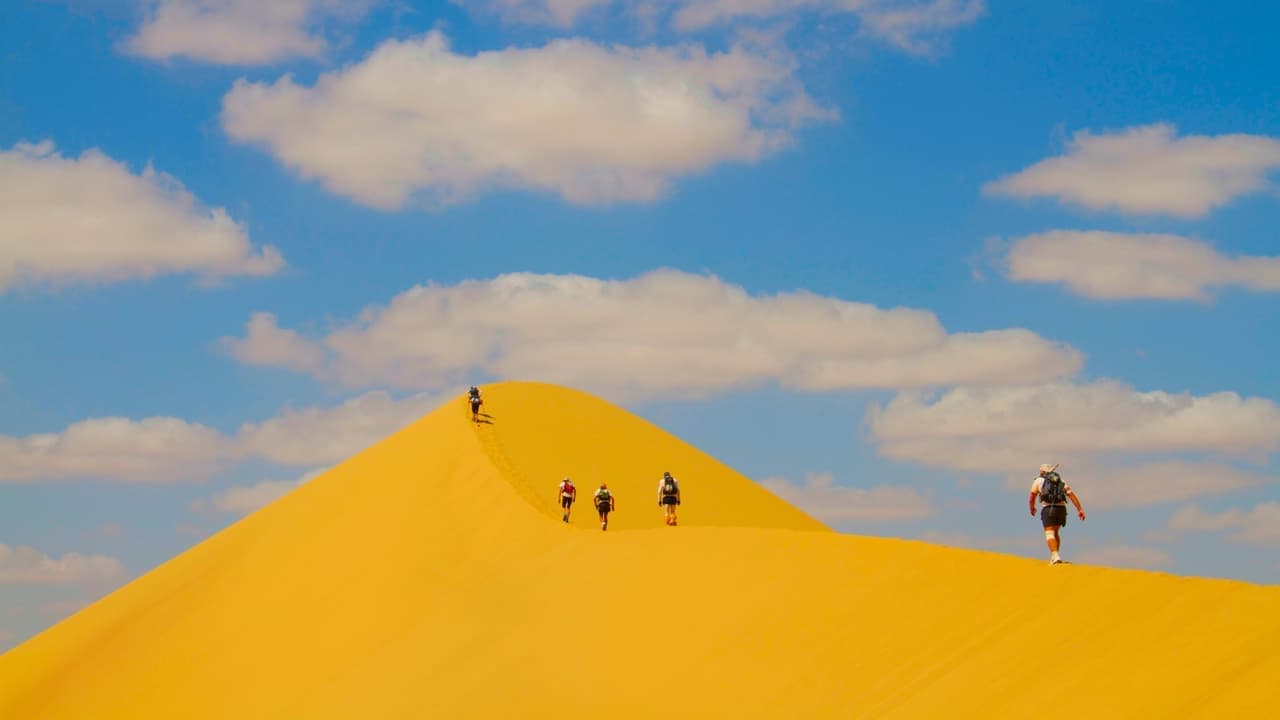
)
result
[(669, 486), (1053, 491)]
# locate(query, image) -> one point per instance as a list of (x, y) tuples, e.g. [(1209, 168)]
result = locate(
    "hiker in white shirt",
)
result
[(1053, 493), (668, 497)]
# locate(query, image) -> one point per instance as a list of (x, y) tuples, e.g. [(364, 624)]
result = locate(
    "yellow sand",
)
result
[(431, 577)]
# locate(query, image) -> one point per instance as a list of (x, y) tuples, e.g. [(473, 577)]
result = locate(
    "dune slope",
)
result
[(430, 576)]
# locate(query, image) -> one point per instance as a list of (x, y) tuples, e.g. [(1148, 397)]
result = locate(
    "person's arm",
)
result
[(1031, 503), (1076, 501)]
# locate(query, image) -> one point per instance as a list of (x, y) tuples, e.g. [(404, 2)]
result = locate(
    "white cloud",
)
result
[(150, 450), (557, 13), (312, 436), (590, 123), (1149, 170), (266, 344), (1258, 526), (1152, 483), (911, 25), (1125, 556), (237, 32), (243, 499), (164, 449), (28, 566), (823, 499), (916, 26), (1113, 265), (1016, 428), (89, 219), (663, 332)]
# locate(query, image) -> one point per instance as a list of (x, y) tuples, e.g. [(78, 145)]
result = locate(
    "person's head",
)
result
[(666, 475), (1046, 468), (603, 486)]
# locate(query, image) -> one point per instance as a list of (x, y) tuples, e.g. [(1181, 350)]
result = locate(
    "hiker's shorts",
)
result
[(670, 500), (566, 501), (1053, 515), (604, 508)]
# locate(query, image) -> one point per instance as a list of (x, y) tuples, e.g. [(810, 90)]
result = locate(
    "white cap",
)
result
[(1047, 468)]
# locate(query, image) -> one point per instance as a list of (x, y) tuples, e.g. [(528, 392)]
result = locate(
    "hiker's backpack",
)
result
[(474, 392), (602, 497), (1053, 491), (669, 486), (567, 488)]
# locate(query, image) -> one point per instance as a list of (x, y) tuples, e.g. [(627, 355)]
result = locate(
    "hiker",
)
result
[(668, 497), (1054, 494), (604, 505), (568, 493), (473, 396)]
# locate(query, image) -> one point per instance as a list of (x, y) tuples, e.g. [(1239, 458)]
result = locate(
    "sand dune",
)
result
[(431, 577)]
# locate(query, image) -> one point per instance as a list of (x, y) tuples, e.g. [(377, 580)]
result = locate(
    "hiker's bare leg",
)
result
[(1051, 538)]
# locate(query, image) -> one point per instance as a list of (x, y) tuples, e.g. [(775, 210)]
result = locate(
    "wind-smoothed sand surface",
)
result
[(431, 577)]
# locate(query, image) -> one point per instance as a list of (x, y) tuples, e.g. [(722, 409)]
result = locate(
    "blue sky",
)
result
[(884, 256)]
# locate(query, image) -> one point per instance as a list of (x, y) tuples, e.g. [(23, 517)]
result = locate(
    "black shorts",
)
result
[(670, 500), (1053, 515), (475, 404), (566, 501), (602, 509)]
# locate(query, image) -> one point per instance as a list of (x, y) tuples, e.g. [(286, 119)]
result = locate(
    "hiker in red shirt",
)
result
[(568, 493)]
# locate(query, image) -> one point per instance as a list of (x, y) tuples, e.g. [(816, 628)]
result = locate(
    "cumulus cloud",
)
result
[(1015, 428), (313, 435), (237, 32), (1149, 170), (662, 332), (265, 343), (1257, 526), (911, 25), (916, 26), (557, 13), (243, 499), (89, 219), (28, 566), (823, 499), (1152, 483), (150, 450), (590, 123), (166, 449), (1112, 265)]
